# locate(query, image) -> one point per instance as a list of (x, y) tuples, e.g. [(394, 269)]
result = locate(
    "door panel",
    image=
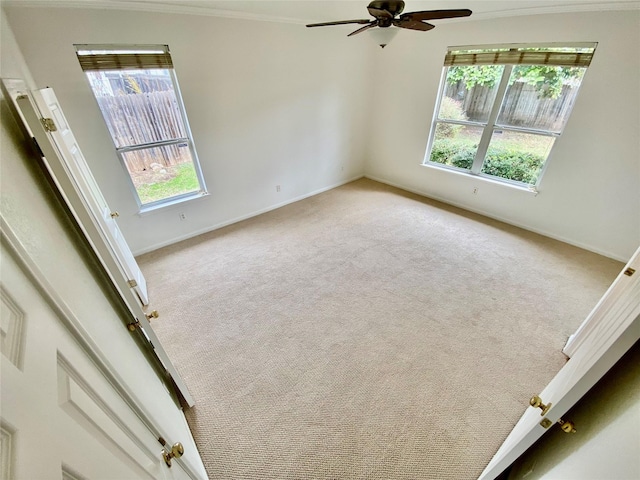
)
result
[(61, 417), (79, 193), (63, 136), (612, 332)]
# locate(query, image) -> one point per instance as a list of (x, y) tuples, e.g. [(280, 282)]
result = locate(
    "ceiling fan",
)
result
[(386, 14)]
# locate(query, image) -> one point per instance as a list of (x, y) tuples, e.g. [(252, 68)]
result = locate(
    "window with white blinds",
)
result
[(500, 109), (137, 92)]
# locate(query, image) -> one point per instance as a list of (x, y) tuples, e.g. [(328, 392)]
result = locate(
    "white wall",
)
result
[(590, 193), (276, 104), (13, 64), (269, 104)]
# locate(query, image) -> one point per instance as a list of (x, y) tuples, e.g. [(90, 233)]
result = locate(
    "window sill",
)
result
[(485, 178), (146, 210)]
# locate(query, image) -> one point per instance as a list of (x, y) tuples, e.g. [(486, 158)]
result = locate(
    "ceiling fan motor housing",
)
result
[(394, 7)]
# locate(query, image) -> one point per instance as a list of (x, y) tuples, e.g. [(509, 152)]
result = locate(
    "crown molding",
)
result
[(556, 9), (176, 8), (154, 7)]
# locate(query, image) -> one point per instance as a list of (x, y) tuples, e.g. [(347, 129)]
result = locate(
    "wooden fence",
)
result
[(145, 118), (523, 106)]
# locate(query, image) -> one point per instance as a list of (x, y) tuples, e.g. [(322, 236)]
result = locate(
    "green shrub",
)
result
[(513, 164), (518, 165), (463, 158), (443, 149)]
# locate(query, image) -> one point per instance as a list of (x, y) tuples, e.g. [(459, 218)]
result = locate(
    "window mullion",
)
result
[(143, 146), (483, 146)]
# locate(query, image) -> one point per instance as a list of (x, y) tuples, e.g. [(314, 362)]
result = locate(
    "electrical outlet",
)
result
[(277, 188), (182, 215)]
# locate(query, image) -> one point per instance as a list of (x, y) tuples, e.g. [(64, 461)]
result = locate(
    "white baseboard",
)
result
[(217, 226), (584, 246)]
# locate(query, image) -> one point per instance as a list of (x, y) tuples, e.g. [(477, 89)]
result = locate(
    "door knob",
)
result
[(567, 426), (153, 314), (176, 452), (114, 214), (536, 402)]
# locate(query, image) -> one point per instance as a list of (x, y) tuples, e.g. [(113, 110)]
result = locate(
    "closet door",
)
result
[(63, 158), (612, 331), (61, 417)]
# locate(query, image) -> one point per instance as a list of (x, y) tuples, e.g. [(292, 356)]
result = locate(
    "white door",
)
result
[(65, 163), (612, 331), (78, 169), (61, 416)]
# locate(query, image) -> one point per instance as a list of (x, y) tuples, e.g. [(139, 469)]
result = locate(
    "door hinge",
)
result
[(48, 124), (132, 283), (629, 271)]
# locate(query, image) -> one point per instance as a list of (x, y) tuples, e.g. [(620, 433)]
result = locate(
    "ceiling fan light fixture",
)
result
[(383, 36)]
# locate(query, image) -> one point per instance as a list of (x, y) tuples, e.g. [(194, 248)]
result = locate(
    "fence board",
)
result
[(522, 105), (145, 118)]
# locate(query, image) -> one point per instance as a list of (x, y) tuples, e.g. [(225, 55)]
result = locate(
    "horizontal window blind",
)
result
[(98, 57), (518, 56)]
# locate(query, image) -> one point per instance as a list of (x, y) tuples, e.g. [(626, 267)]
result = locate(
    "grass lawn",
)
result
[(177, 180)]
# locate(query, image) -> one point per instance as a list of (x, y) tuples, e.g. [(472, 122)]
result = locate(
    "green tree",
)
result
[(548, 80)]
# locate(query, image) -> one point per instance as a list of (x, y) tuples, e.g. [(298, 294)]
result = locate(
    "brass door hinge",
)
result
[(132, 283), (629, 271), (48, 124)]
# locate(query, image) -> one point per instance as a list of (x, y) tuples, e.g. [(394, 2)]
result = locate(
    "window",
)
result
[(500, 110), (137, 92)]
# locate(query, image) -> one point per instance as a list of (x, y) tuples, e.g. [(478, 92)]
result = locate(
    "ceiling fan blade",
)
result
[(379, 12), (340, 22), (413, 25), (435, 14), (366, 27)]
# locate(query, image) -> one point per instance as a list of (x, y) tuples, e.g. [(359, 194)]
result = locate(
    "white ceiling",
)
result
[(306, 11)]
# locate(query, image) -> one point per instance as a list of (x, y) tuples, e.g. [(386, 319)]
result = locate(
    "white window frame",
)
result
[(157, 204), (490, 126)]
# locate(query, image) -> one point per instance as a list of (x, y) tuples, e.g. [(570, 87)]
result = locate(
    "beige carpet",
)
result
[(366, 333)]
